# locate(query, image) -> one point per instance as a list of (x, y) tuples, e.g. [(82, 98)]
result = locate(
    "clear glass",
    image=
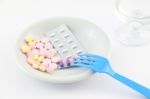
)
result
[(136, 13)]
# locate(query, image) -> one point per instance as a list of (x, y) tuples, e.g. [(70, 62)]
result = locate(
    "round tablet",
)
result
[(42, 68), (48, 46), (44, 40), (50, 54), (43, 52), (35, 66), (29, 39), (52, 67), (55, 59), (39, 45), (37, 62), (53, 50), (32, 53), (25, 49), (30, 61), (32, 46), (46, 62)]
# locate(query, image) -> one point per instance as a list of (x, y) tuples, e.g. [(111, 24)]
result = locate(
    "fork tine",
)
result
[(87, 58), (90, 55), (80, 65), (83, 61)]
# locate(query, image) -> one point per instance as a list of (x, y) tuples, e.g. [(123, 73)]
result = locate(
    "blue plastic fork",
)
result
[(101, 65)]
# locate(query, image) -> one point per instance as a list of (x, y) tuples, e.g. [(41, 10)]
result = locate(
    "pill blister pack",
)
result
[(64, 41)]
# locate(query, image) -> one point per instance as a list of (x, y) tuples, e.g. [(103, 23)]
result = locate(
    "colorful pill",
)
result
[(47, 61), (44, 40), (41, 55), (44, 64), (51, 53), (39, 45), (42, 68), (29, 39), (31, 43), (32, 52), (43, 52), (48, 46), (32, 46), (35, 66), (38, 63), (52, 67), (53, 50), (70, 59), (36, 56), (55, 59), (25, 48), (60, 64), (30, 61), (40, 58)]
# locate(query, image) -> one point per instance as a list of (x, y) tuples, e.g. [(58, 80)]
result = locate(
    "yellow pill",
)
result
[(40, 58), (42, 68), (31, 43), (25, 48), (35, 66), (29, 39), (30, 60), (36, 57)]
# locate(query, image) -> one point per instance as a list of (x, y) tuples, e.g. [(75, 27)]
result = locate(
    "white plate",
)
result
[(91, 37)]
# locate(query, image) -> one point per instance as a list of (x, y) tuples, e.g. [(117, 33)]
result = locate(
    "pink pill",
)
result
[(56, 59), (48, 46), (70, 59), (35, 51), (39, 45), (32, 46), (65, 62), (43, 52), (46, 62), (37, 62), (44, 40), (52, 51), (44, 65), (50, 54), (52, 67), (32, 52)]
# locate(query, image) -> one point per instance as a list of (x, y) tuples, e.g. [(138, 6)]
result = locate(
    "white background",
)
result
[(16, 15)]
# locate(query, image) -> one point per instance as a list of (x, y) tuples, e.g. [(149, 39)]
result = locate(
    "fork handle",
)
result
[(137, 87)]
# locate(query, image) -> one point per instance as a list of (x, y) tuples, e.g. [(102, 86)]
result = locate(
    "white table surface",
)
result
[(16, 15)]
